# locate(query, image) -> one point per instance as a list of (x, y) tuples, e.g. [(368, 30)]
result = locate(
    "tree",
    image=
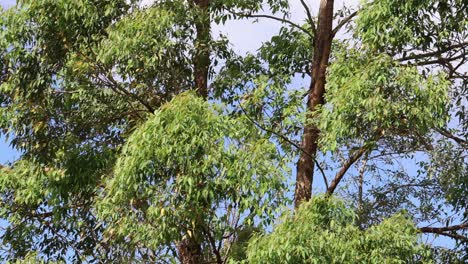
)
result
[(81, 76), (323, 231), (82, 84), (191, 172), (374, 105)]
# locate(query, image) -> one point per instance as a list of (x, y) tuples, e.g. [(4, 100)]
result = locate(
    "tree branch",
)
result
[(215, 250), (284, 138), (443, 231), (282, 20), (440, 60), (434, 53), (309, 16), (428, 229), (322, 172), (445, 133), (343, 23), (273, 132), (115, 86), (339, 176)]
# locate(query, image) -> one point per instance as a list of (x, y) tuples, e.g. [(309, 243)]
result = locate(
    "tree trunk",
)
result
[(189, 249), (322, 46), (201, 59)]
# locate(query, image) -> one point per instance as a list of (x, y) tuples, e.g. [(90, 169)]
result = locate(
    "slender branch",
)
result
[(440, 60), (454, 236), (396, 188), (428, 229), (343, 23), (283, 137), (66, 241), (462, 142), (235, 223), (434, 53), (219, 259), (134, 96), (288, 141), (42, 215), (361, 181), (115, 86), (309, 16), (339, 176), (322, 172), (282, 20), (443, 231)]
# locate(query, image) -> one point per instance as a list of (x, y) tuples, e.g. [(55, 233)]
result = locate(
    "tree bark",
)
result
[(190, 249), (201, 59), (322, 47)]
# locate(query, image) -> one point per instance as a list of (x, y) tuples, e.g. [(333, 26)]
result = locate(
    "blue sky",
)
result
[(7, 3), (6, 152)]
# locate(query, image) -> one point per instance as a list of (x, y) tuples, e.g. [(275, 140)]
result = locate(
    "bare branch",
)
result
[(454, 236), (434, 53), (322, 172), (443, 231), (288, 141), (283, 137), (445, 133), (282, 20), (428, 229), (309, 17), (343, 23), (341, 173)]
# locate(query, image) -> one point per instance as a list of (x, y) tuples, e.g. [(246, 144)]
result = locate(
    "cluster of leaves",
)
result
[(323, 230), (370, 95), (392, 26), (190, 171), (42, 214)]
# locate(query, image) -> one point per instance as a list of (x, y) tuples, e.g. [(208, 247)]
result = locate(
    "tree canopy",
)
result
[(146, 137)]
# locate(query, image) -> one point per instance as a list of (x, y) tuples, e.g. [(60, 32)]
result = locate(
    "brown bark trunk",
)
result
[(201, 58), (189, 249), (322, 48)]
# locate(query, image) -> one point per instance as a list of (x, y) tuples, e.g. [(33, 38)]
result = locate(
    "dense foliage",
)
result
[(144, 137), (189, 171), (323, 230)]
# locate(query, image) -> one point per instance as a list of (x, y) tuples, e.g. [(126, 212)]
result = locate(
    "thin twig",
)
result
[(309, 16), (325, 180), (283, 20)]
